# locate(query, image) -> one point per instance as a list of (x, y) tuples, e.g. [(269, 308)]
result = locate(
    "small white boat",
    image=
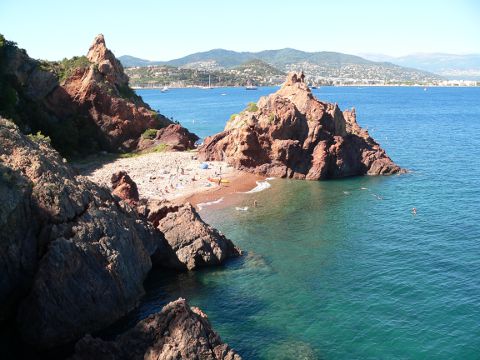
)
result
[(250, 87), (209, 87), (164, 89)]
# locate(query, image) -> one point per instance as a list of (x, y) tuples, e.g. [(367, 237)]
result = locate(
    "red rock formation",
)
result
[(174, 136), (177, 332), (100, 93), (195, 243), (124, 187), (292, 134)]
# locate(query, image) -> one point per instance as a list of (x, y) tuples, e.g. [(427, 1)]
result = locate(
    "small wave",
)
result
[(346, 192), (202, 205), (261, 185), (241, 208), (270, 178), (363, 188)]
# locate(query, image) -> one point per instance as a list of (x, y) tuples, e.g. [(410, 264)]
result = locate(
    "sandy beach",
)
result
[(175, 176)]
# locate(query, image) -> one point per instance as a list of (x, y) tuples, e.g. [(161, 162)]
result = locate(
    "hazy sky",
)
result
[(163, 30)]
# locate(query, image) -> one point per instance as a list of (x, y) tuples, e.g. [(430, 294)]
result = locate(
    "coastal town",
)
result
[(259, 73)]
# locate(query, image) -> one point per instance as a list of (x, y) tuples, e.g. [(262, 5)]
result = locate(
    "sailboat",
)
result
[(209, 84), (164, 89)]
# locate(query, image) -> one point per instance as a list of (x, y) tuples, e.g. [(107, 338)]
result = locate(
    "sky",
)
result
[(164, 30)]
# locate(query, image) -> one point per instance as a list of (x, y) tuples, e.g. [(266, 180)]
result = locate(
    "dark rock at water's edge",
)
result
[(84, 104), (292, 134), (195, 243), (177, 332), (74, 256)]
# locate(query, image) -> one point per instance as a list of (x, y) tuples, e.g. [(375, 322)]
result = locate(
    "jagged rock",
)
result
[(92, 107), (124, 187), (195, 243), (108, 65), (174, 136), (177, 332), (72, 255), (292, 134), (101, 93)]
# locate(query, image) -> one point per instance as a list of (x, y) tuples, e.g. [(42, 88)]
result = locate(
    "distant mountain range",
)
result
[(450, 66), (318, 66)]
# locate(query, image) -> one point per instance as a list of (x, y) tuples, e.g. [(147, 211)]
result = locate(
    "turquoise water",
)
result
[(342, 269)]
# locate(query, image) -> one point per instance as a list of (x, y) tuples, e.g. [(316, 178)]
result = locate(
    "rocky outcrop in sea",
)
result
[(292, 134), (177, 332)]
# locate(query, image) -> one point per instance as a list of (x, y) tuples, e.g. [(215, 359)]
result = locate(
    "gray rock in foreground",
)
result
[(177, 332), (71, 254)]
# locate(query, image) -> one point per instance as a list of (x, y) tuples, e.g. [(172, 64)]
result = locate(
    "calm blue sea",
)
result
[(342, 269)]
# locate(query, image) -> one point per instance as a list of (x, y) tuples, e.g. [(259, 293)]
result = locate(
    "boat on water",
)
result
[(209, 84), (250, 86), (164, 89)]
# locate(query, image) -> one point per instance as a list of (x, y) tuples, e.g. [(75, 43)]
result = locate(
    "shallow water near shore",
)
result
[(342, 269)]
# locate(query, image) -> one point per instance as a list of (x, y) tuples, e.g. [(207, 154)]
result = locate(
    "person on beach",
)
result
[(219, 181), (255, 203)]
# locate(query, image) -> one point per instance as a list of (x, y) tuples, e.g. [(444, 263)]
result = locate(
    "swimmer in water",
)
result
[(414, 211)]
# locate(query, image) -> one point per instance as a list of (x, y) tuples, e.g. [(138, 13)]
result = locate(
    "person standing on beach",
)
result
[(220, 181)]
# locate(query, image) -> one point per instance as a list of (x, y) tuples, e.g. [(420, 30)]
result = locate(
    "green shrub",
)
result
[(252, 107), (39, 138), (149, 134), (271, 118), (160, 148), (126, 92), (65, 68), (232, 117)]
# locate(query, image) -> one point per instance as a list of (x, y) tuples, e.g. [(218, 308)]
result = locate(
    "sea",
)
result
[(343, 269)]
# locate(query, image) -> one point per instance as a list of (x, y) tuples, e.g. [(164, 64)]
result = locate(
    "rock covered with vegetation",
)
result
[(292, 134), (84, 104)]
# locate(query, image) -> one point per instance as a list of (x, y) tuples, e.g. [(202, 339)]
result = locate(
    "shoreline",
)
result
[(319, 86), (240, 183), (176, 176)]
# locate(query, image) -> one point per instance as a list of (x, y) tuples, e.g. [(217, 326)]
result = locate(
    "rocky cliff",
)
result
[(177, 332), (84, 104), (73, 256), (292, 134)]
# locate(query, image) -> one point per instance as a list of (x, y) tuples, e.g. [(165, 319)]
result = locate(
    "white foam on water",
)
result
[(270, 178), (241, 208), (202, 205), (261, 185)]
